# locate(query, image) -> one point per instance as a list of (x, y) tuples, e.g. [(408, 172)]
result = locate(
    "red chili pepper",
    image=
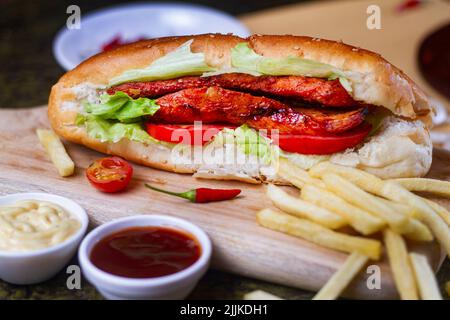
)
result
[(202, 195)]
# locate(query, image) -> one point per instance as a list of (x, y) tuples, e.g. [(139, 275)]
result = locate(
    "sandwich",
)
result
[(225, 107)]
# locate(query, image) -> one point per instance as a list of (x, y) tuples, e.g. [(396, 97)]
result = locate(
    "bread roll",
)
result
[(374, 81)]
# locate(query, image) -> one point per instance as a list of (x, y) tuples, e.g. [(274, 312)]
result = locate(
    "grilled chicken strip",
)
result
[(215, 104), (328, 93)]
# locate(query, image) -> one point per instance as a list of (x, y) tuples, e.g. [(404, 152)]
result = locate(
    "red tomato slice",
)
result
[(109, 174), (187, 134), (304, 144), (325, 144)]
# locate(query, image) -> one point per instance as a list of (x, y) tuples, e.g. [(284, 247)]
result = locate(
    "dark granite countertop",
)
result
[(27, 72)]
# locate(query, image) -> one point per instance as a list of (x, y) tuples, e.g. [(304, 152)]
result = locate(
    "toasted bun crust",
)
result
[(374, 81)]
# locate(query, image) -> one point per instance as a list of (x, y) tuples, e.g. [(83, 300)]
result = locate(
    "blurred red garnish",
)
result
[(113, 43), (408, 4), (117, 41)]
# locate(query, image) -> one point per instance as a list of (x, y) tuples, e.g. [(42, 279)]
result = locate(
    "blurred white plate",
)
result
[(441, 115), (134, 21)]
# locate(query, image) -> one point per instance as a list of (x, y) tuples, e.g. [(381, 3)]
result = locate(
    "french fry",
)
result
[(400, 265), (303, 209), (438, 187), (425, 213), (318, 234), (291, 178), (260, 295), (399, 207), (296, 175), (358, 197), (359, 219), (440, 210), (417, 230), (392, 191), (341, 278), (428, 287), (55, 149), (362, 179)]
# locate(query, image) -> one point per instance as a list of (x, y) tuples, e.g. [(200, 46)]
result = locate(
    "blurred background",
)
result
[(40, 40)]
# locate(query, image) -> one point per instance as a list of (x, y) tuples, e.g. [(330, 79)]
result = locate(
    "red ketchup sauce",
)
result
[(145, 252)]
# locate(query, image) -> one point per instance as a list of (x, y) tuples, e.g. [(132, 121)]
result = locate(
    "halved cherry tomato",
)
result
[(323, 144), (109, 174), (187, 134)]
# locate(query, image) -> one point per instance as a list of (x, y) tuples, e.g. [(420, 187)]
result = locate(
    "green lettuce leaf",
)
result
[(108, 105), (175, 64), (248, 140), (230, 70), (243, 57), (122, 107), (109, 131), (251, 141), (116, 117)]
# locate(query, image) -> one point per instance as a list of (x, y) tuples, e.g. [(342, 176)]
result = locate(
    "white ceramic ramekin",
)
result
[(39, 265), (174, 286)]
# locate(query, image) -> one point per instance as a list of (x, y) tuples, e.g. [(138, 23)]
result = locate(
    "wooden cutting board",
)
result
[(398, 39), (240, 245)]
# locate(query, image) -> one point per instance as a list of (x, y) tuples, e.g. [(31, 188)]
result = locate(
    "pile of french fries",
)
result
[(334, 196)]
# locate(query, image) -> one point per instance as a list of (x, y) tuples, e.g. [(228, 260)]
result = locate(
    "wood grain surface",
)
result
[(240, 245)]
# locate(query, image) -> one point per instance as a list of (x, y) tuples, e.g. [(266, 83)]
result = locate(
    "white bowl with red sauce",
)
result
[(145, 257)]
